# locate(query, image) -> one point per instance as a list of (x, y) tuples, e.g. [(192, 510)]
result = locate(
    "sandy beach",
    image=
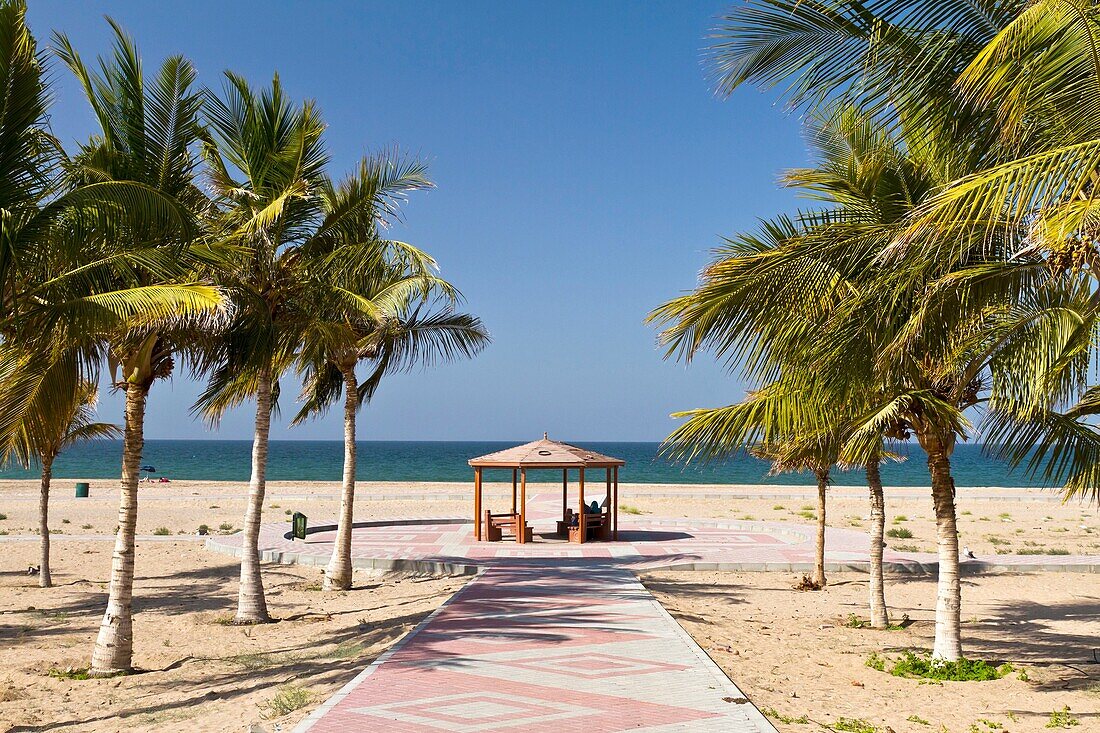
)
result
[(196, 668), (992, 521)]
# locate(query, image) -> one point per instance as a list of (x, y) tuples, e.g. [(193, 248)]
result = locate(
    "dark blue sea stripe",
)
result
[(308, 460)]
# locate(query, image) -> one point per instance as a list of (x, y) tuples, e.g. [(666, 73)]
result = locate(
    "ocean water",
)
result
[(293, 460)]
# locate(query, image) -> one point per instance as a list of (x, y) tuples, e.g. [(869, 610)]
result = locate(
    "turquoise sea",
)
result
[(293, 460)]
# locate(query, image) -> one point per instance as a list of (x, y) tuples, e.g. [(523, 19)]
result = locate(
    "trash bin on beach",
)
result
[(298, 522), (82, 490)]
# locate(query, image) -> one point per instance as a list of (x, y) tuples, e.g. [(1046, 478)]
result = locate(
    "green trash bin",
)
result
[(298, 522), (82, 490)]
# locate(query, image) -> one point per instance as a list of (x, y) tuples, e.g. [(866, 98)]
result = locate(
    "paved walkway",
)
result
[(558, 637), (561, 650)]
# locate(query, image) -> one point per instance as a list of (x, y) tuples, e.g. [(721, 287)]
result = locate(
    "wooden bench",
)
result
[(496, 524), (598, 525)]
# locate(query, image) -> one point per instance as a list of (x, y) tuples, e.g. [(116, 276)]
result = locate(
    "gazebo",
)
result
[(548, 454)]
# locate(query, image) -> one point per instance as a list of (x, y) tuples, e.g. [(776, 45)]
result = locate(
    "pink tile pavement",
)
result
[(543, 649)]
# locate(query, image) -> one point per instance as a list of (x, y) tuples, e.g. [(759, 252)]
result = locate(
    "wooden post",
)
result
[(521, 528), (477, 503), (581, 523), (615, 507), (513, 491), (609, 529), (564, 496)]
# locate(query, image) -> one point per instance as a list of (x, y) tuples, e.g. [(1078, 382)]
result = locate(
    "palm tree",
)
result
[(58, 285), (267, 213), (828, 297), (43, 437), (386, 327), (1017, 81), (306, 249), (817, 453), (148, 135)]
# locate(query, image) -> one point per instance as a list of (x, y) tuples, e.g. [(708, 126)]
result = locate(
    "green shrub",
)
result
[(899, 533), (162, 531), (225, 527), (629, 509), (3, 516), (85, 526), (876, 662), (855, 622), (287, 700), (778, 507), (806, 514), (1062, 719), (900, 518), (917, 719), (963, 670)]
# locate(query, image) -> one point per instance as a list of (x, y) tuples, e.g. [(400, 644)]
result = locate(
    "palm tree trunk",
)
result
[(948, 644), (44, 578), (819, 555), (338, 575), (251, 604), (880, 617), (114, 647)]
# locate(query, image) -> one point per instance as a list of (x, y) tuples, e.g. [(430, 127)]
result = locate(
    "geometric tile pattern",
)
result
[(555, 648)]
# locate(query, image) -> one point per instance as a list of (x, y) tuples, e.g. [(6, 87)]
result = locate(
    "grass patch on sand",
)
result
[(287, 700), (258, 660), (629, 509), (1062, 719), (854, 725), (899, 533), (918, 720), (920, 666), (855, 622), (162, 531), (807, 514), (784, 719), (70, 673)]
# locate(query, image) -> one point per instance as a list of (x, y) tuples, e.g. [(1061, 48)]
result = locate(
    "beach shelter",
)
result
[(553, 455)]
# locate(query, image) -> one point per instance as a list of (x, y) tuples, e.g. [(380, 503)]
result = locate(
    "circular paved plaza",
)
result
[(448, 545)]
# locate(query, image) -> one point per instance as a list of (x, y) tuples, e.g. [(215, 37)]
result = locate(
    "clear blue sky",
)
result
[(584, 170)]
